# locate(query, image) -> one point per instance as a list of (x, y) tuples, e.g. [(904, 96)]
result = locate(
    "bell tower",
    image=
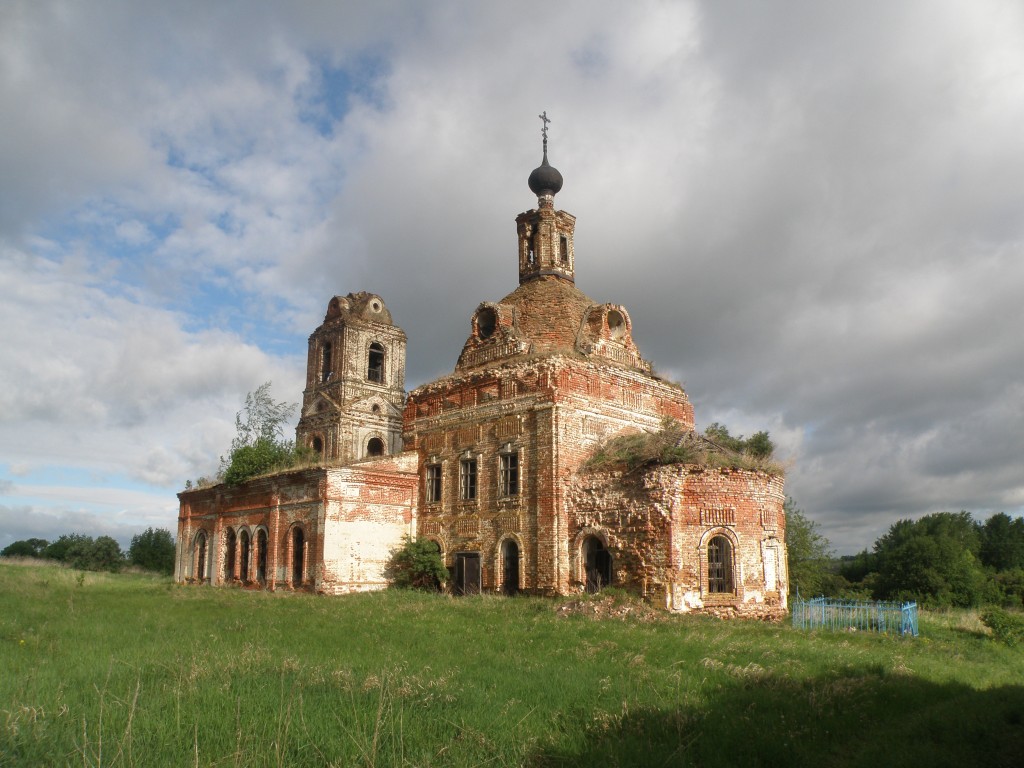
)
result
[(355, 382), (545, 235)]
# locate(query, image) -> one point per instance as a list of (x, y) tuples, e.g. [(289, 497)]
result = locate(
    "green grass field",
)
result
[(105, 670)]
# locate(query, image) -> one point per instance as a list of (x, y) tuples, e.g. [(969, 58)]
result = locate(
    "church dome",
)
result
[(545, 178)]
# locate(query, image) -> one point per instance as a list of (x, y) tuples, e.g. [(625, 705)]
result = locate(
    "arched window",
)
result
[(318, 444), (325, 361), (201, 556), (375, 447), (229, 555), (509, 567), (720, 565), (375, 363), (261, 556), (298, 556), (597, 564), (245, 547), (563, 249)]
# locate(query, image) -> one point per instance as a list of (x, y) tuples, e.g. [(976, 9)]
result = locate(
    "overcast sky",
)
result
[(814, 213)]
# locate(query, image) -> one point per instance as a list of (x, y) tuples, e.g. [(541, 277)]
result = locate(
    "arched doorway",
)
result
[(597, 564), (230, 546), (509, 567), (261, 556), (720, 565), (375, 447), (245, 545), (298, 556), (201, 556)]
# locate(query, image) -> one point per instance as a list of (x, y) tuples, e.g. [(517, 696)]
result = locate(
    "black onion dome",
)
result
[(545, 180)]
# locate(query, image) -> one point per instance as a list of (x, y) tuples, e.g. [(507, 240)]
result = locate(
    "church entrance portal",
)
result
[(597, 562), (510, 567), (467, 573)]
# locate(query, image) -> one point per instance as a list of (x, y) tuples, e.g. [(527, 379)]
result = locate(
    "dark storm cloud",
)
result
[(810, 210)]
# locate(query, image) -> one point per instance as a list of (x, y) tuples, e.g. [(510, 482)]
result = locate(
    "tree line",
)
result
[(945, 559), (152, 550)]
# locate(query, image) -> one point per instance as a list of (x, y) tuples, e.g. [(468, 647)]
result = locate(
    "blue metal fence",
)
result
[(845, 615)]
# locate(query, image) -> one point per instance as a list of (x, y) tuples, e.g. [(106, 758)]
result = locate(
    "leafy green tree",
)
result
[(259, 446), (1002, 542), (25, 548), (934, 560), (106, 555), (809, 552), (100, 554), (264, 418), (153, 550), (58, 550), (417, 564)]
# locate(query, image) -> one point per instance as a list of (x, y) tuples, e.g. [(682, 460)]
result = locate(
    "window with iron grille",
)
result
[(720, 565), (467, 479), (508, 475), (433, 483)]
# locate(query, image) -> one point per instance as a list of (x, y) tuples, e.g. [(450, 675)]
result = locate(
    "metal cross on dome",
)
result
[(544, 118)]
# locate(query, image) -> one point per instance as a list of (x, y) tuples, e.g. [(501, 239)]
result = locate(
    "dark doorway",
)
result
[(467, 573), (509, 567), (597, 563), (261, 557), (298, 541), (229, 556), (375, 447), (246, 547)]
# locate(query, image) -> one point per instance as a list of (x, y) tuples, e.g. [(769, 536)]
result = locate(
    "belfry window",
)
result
[(720, 565), (467, 479), (325, 362), (563, 249), (375, 363), (508, 474), (432, 487)]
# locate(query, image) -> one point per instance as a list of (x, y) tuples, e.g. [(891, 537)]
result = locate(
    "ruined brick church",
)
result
[(489, 462)]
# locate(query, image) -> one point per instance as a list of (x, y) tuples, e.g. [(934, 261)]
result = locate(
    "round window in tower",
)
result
[(486, 322), (616, 324)]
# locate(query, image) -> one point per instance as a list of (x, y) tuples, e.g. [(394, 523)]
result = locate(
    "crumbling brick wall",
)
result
[(350, 519), (657, 525)]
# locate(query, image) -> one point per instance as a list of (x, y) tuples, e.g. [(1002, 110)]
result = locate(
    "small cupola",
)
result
[(545, 235)]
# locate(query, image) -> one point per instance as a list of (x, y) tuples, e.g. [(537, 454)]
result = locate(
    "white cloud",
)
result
[(811, 211)]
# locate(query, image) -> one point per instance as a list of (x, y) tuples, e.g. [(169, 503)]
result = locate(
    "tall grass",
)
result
[(136, 671)]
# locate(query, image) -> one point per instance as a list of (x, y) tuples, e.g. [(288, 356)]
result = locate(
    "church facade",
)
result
[(489, 462)]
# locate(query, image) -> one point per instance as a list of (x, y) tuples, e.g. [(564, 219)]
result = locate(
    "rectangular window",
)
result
[(467, 479), (433, 489), (509, 474)]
